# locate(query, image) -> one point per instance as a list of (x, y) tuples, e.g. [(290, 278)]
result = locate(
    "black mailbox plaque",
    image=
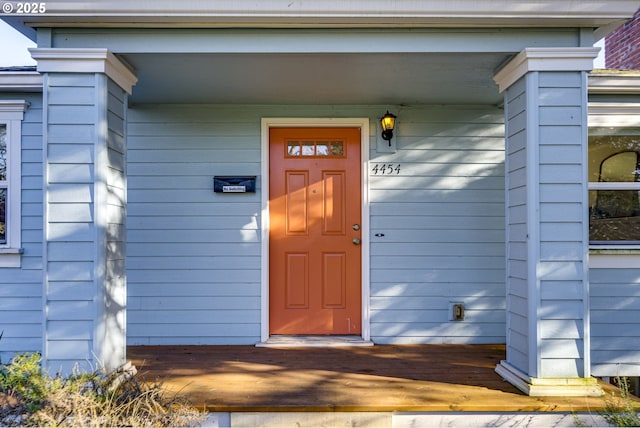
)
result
[(234, 184)]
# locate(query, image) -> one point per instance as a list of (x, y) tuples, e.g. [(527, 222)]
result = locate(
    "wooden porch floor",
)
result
[(428, 378)]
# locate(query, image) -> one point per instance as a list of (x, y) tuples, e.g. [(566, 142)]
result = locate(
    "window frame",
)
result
[(620, 116), (11, 116)]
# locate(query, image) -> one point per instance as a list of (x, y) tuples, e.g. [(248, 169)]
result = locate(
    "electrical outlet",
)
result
[(456, 311)]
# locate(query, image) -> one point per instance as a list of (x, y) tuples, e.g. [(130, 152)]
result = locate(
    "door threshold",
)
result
[(281, 341)]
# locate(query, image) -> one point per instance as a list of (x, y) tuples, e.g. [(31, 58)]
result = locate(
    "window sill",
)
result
[(614, 249), (10, 257)]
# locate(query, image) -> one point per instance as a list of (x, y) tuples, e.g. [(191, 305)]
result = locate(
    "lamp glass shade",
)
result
[(388, 122)]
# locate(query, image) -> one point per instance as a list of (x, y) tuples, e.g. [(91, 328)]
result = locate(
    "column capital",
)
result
[(545, 59), (64, 60)]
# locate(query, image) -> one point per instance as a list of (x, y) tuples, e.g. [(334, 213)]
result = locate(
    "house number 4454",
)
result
[(386, 169)]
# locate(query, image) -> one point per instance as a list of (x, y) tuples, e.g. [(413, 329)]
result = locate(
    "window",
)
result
[(614, 185), (3, 184), (11, 115), (315, 148)]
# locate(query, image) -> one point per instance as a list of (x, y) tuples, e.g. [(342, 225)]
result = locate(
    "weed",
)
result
[(619, 410)]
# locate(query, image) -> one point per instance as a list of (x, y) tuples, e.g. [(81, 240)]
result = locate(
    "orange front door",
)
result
[(315, 231)]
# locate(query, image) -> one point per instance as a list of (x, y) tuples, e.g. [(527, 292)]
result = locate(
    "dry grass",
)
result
[(118, 399)]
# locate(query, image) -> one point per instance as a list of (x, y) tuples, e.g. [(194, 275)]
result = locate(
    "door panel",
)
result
[(297, 283), (334, 204), (333, 280), (315, 199), (297, 202)]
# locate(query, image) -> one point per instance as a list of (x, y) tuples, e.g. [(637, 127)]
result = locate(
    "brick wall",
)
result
[(623, 46)]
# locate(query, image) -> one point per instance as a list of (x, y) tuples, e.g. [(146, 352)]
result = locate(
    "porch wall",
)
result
[(443, 223), (193, 261), (193, 256), (21, 288)]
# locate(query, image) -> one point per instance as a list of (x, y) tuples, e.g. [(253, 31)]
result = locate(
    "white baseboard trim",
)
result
[(549, 387)]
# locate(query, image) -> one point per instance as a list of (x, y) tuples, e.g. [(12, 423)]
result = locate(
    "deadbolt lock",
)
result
[(356, 226)]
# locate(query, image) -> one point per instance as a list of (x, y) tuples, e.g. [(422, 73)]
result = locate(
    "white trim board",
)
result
[(363, 124), (313, 342), (193, 13), (614, 261)]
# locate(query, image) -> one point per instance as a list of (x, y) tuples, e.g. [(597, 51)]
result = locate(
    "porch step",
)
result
[(401, 419), (278, 341)]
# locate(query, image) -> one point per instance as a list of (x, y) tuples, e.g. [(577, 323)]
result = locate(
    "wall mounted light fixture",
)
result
[(388, 122)]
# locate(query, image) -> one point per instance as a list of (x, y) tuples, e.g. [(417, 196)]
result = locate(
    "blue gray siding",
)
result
[(517, 251), (547, 225), (21, 288), (442, 221), (193, 257), (563, 273), (71, 257), (111, 287), (85, 217), (615, 322)]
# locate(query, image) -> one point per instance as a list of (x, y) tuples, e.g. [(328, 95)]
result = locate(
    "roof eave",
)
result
[(20, 81), (614, 82), (321, 13)]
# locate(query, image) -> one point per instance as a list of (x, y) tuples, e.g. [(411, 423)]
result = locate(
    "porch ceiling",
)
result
[(316, 78)]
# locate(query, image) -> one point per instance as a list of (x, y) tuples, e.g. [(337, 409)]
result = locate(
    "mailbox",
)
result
[(234, 184)]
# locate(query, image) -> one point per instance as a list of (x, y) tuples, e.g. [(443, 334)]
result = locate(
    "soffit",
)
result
[(396, 79)]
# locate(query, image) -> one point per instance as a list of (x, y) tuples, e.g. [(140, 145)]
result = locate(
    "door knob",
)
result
[(356, 241)]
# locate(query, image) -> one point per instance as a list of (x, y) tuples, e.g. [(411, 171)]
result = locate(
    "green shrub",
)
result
[(25, 379)]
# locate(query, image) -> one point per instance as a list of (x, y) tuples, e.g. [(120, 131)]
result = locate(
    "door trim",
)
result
[(363, 124)]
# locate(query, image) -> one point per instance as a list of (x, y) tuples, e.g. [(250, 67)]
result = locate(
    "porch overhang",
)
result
[(602, 16), (388, 67), (348, 52)]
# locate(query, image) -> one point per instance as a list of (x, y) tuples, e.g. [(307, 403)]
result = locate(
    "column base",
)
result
[(547, 387)]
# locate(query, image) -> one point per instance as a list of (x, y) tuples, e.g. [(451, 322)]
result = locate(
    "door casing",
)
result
[(363, 124)]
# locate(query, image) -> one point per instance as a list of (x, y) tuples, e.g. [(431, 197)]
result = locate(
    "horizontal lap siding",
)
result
[(21, 288), (437, 228), (193, 256), (517, 250), (72, 112), (111, 323), (562, 277), (545, 224), (615, 322)]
